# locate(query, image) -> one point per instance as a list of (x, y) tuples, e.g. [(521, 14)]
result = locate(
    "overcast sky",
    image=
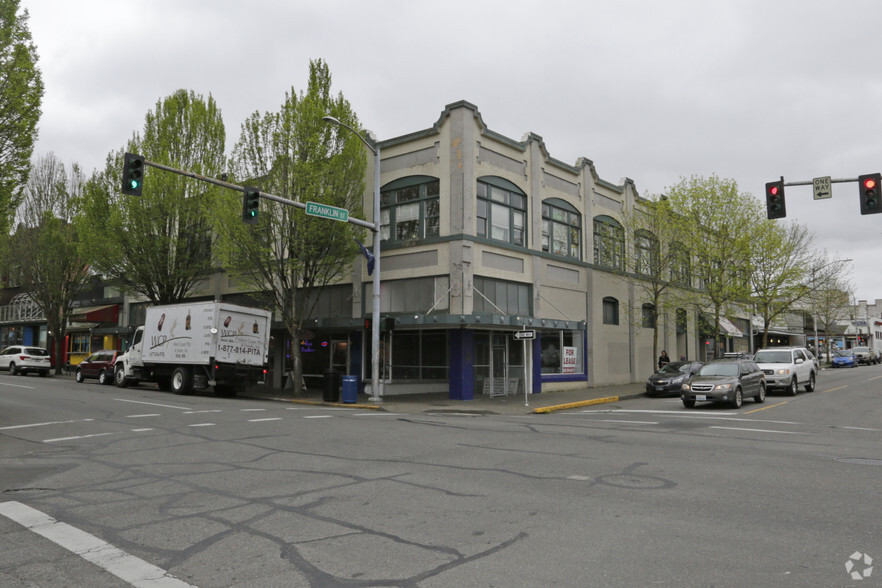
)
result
[(653, 91)]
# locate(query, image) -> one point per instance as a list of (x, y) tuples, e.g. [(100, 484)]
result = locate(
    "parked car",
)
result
[(786, 368), (98, 366), (815, 359), (25, 359), (670, 377), (864, 355), (844, 358), (725, 380)]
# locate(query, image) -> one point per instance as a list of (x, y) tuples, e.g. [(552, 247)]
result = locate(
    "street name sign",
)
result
[(327, 211), (520, 335), (823, 188)]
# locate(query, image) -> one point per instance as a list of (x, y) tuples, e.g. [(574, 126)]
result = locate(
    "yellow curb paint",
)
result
[(604, 400)]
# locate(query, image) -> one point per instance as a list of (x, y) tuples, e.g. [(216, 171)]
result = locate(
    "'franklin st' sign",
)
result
[(327, 211)]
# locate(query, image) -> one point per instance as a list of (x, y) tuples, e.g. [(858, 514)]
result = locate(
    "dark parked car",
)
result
[(25, 359), (725, 380), (98, 366), (669, 379)]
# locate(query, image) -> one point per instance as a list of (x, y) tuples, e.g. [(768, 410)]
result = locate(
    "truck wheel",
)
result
[(182, 380), (119, 377)]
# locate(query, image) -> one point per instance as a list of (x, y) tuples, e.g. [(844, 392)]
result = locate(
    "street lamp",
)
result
[(815, 318), (375, 315)]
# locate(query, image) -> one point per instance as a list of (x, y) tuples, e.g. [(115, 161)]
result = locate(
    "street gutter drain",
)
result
[(860, 460)]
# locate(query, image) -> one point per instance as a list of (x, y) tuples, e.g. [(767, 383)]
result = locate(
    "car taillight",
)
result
[(23, 357)]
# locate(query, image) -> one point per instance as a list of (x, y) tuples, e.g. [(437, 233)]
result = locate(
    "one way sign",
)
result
[(520, 335)]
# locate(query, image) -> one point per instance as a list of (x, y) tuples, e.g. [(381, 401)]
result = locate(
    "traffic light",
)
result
[(775, 205), (869, 186), (133, 174), (250, 205)]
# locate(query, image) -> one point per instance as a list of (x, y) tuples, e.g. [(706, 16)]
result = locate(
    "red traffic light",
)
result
[(869, 183), (773, 190)]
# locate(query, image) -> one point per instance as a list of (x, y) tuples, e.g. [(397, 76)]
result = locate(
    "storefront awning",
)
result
[(726, 326), (96, 314)]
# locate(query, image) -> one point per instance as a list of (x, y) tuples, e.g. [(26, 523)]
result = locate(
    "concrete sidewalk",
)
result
[(481, 404)]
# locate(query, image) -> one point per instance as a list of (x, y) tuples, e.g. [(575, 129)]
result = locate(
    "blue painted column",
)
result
[(461, 349)]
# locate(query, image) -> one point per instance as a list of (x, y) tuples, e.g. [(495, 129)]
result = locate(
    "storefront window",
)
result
[(562, 352)]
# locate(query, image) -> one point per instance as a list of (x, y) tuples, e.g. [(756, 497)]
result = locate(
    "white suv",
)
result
[(787, 368)]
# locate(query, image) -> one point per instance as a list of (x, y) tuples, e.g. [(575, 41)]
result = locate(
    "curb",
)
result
[(604, 400)]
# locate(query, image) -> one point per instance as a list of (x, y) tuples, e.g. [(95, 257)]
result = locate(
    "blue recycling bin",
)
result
[(350, 389)]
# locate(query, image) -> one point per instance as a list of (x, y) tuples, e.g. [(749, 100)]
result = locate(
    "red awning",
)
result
[(96, 314)]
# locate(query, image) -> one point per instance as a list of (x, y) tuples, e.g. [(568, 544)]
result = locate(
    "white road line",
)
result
[(377, 413), (671, 412), (858, 428), (253, 410), (202, 425), (317, 416), (140, 416), (16, 385), (760, 430), (153, 404), (629, 422), (264, 420), (77, 437), (141, 430), (129, 568), (202, 411), (45, 424)]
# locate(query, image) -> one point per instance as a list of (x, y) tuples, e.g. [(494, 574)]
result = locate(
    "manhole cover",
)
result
[(860, 460)]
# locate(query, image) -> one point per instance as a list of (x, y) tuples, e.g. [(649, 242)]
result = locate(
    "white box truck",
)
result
[(195, 345)]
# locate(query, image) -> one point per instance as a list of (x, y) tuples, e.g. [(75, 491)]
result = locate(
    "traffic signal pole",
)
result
[(264, 195)]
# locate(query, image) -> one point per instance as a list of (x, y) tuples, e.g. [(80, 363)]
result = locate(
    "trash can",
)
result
[(331, 391), (350, 389)]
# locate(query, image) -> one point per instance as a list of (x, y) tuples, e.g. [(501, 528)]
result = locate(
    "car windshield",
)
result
[(844, 353), (674, 368), (719, 369), (36, 351), (769, 356)]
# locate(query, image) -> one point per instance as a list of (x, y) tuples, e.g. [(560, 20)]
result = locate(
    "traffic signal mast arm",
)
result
[(265, 195)]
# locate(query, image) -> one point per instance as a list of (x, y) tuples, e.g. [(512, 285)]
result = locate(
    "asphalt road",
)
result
[(110, 487)]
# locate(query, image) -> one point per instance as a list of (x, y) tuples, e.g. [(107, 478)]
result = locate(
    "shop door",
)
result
[(340, 356)]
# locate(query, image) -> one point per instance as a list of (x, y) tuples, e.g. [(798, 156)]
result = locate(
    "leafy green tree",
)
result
[(717, 224), (21, 94), (295, 155), (652, 230), (159, 245), (44, 248), (781, 261)]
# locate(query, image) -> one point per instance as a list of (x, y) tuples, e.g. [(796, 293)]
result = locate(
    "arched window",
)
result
[(410, 209), (646, 254), (681, 270), (610, 311), (609, 242), (502, 211), (561, 228), (649, 316)]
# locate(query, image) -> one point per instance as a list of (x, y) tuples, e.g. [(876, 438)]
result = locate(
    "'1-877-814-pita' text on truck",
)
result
[(194, 346)]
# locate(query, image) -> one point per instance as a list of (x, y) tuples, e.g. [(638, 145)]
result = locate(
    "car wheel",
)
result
[(761, 397), (79, 377), (739, 398), (794, 388), (13, 371), (810, 387), (688, 403), (103, 379)]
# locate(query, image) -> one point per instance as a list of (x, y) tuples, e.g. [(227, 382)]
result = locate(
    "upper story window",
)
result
[(681, 268), (410, 209), (609, 242), (502, 211), (561, 228), (610, 311), (646, 251)]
